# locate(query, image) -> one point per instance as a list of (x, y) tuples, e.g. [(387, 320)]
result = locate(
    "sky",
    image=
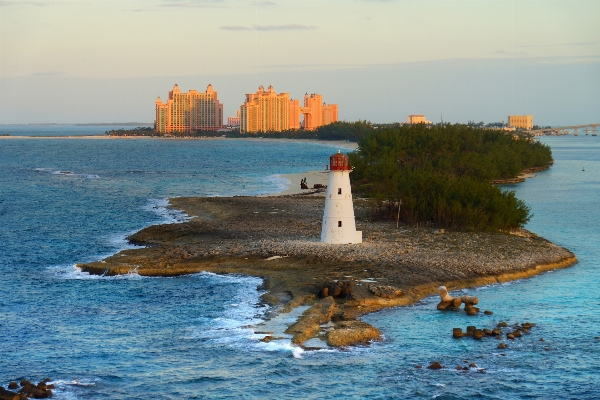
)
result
[(380, 60)]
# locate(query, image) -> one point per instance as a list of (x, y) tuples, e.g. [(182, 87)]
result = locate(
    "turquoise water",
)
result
[(67, 201)]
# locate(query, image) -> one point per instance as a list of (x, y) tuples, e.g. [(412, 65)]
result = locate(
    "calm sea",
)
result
[(72, 200)]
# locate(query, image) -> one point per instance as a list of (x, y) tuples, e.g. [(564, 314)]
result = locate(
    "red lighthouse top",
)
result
[(339, 162)]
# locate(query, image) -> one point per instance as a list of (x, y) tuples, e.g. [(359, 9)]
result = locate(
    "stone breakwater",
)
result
[(277, 238)]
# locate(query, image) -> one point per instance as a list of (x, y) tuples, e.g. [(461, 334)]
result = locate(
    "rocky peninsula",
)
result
[(277, 238)]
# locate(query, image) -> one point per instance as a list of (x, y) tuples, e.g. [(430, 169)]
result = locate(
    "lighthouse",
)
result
[(338, 218)]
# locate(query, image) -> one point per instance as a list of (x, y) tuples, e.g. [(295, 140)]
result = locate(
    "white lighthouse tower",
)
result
[(338, 217)]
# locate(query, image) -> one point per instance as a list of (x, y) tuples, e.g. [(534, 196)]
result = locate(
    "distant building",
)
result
[(189, 112), (266, 111), (234, 122), (521, 121), (316, 113), (417, 119)]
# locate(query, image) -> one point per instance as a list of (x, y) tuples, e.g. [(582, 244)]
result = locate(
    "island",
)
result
[(428, 210), (277, 238)]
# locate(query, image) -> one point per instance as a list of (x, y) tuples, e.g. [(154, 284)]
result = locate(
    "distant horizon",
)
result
[(377, 60)]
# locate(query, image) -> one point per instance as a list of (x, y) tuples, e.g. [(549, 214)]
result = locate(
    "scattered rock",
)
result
[(418, 366), (458, 368), (472, 365), (502, 324), (352, 333), (457, 332), (542, 340), (502, 346), (510, 336), (435, 365), (13, 385), (488, 312), (387, 292), (478, 334)]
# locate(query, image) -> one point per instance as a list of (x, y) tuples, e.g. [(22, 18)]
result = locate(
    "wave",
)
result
[(167, 215), (73, 272), (279, 182), (66, 173)]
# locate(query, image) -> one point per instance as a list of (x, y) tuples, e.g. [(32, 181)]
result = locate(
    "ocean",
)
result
[(129, 337)]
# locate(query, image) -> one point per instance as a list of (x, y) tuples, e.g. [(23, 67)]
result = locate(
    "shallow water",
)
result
[(129, 337)]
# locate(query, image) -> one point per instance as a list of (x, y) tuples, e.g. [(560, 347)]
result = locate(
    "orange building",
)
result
[(234, 122), (417, 119), (266, 111), (521, 121), (189, 112)]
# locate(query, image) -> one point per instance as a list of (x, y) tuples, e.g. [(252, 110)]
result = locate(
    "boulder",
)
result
[(309, 323), (488, 312), (435, 365), (352, 333), (502, 345), (447, 302), (478, 334), (502, 324), (13, 385), (457, 332), (8, 395), (388, 292)]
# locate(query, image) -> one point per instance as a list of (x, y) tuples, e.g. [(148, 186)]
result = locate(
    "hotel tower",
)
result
[(267, 111), (189, 112)]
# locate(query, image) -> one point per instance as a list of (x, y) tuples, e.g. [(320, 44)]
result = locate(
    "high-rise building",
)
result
[(234, 122), (189, 112), (417, 119), (266, 111), (316, 113), (521, 121)]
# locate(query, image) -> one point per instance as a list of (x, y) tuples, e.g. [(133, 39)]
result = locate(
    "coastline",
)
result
[(282, 248), (336, 143)]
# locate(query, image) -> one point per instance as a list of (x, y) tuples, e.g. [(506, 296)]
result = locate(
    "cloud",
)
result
[(48, 73), (561, 44), (289, 27), (510, 53), (193, 3), (264, 3), (25, 3)]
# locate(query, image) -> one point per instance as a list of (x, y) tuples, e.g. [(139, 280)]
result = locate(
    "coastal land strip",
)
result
[(277, 238)]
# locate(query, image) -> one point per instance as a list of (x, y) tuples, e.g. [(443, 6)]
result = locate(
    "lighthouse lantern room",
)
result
[(338, 218)]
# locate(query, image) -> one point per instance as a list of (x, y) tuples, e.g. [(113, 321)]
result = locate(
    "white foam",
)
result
[(168, 215), (66, 173), (280, 184), (72, 272)]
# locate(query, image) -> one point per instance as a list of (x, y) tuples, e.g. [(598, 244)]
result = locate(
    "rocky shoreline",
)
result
[(277, 239)]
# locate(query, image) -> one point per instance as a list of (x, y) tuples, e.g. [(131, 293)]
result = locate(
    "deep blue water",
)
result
[(67, 201)]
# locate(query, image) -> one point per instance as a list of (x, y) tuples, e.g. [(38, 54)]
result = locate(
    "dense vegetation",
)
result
[(351, 131), (443, 174)]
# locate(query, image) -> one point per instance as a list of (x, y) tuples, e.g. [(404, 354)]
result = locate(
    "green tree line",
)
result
[(442, 175)]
